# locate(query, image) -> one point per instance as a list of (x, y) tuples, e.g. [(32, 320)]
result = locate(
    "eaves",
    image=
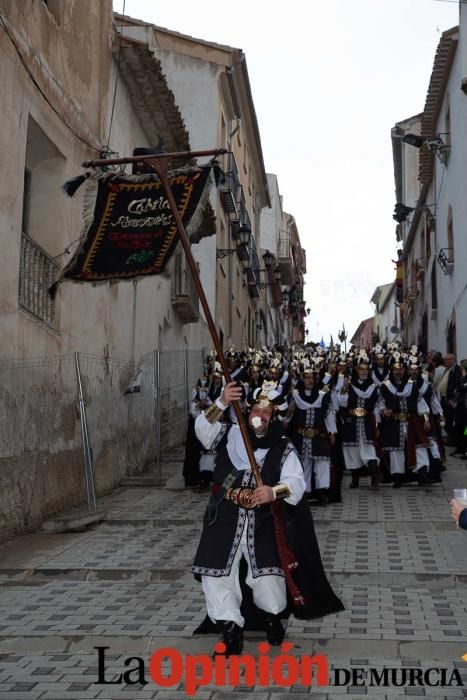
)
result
[(439, 79), (152, 100)]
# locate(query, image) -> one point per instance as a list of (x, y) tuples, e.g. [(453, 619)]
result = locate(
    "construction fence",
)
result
[(73, 426)]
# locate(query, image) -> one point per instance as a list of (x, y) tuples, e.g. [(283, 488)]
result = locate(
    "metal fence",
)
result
[(58, 443)]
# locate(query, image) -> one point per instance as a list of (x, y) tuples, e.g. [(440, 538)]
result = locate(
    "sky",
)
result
[(329, 78)]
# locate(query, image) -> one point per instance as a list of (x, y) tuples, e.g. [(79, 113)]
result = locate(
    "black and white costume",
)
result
[(237, 532), (403, 426), (240, 532), (312, 420), (358, 426)]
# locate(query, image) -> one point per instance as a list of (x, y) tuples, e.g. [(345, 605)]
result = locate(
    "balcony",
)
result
[(285, 259), (296, 307), (251, 266), (185, 300), (241, 221), (229, 190)]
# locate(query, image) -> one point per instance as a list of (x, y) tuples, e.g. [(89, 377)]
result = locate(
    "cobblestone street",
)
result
[(394, 557)]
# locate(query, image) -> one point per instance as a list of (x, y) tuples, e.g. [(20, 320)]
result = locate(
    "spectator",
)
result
[(437, 369), (459, 513), (449, 389), (461, 413)]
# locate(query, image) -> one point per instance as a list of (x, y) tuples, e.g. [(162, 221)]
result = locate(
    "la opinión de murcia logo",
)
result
[(168, 668)]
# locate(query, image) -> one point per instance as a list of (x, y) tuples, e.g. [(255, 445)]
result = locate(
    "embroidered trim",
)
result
[(205, 571), (250, 541), (219, 436), (247, 480)]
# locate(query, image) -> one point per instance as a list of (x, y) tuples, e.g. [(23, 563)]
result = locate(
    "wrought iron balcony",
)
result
[(229, 189), (252, 267), (240, 222), (285, 257)]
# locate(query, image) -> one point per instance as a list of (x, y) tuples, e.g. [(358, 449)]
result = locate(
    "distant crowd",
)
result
[(384, 414)]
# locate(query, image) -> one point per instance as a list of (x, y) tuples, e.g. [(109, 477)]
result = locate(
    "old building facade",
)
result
[(284, 307), (49, 131), (80, 83), (431, 178), (211, 86)]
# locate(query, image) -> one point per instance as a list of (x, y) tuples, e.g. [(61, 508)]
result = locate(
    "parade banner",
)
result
[(129, 228)]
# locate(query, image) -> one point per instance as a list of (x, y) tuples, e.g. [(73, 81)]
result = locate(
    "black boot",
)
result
[(423, 478), (322, 496), (275, 631), (397, 481), (434, 471), (355, 479), (374, 473), (232, 636)]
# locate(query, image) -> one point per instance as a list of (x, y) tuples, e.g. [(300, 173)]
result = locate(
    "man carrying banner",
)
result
[(239, 524)]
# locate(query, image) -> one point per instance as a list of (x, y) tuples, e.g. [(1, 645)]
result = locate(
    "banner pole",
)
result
[(160, 164), (178, 155)]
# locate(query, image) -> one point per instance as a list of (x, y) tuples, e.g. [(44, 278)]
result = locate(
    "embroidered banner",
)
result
[(130, 230)]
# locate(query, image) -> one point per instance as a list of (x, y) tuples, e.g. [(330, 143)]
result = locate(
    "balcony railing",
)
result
[(252, 267), (284, 249), (285, 259), (241, 221), (37, 272), (229, 190), (245, 221)]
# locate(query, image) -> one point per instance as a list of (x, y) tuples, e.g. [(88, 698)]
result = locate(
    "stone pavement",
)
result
[(394, 557)]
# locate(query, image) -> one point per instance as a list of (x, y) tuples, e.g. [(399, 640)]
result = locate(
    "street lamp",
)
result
[(268, 258), (243, 240), (436, 145)]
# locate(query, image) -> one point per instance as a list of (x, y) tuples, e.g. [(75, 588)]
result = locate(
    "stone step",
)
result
[(149, 481), (74, 520), (39, 575)]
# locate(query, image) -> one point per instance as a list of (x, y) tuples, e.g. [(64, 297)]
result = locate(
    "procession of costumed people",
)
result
[(312, 414)]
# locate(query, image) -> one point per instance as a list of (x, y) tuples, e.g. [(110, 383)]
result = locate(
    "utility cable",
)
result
[(118, 72)]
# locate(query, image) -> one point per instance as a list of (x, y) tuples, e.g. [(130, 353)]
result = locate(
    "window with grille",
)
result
[(42, 224), (37, 272)]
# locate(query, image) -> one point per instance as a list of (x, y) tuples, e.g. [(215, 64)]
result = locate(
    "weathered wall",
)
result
[(41, 469)]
